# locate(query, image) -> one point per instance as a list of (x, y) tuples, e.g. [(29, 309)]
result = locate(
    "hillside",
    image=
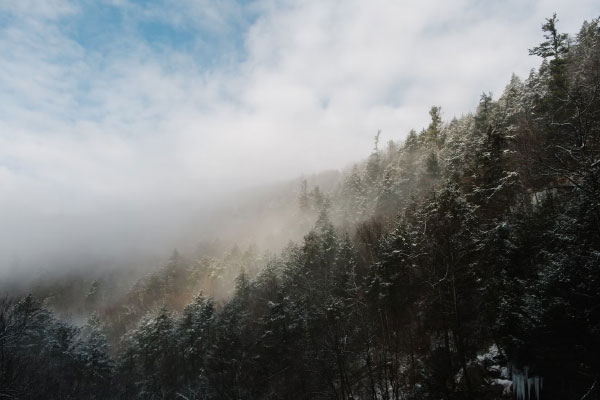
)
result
[(460, 263)]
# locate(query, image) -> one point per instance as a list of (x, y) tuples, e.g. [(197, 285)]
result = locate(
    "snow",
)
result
[(491, 354), (506, 384)]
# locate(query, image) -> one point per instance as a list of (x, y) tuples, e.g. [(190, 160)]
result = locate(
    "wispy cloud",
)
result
[(108, 107)]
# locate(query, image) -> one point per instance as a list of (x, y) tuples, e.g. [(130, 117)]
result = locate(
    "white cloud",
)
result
[(87, 133), (49, 9)]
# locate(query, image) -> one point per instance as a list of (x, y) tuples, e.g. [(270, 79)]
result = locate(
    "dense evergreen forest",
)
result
[(461, 263)]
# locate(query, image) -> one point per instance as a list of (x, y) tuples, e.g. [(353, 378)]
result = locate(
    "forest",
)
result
[(460, 263)]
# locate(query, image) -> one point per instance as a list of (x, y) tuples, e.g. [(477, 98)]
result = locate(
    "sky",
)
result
[(121, 118)]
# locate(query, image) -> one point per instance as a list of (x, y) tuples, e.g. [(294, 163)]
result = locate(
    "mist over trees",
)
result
[(461, 263)]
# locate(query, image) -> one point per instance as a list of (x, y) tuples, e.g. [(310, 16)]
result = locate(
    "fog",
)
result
[(129, 128)]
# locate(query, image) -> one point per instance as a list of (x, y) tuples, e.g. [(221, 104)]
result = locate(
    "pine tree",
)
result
[(303, 199), (433, 134), (556, 44)]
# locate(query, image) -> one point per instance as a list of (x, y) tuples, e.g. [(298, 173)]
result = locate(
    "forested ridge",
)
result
[(460, 263)]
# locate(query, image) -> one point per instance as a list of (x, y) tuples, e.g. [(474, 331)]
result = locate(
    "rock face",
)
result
[(488, 377)]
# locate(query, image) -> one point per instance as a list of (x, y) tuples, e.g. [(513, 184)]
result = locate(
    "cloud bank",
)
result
[(122, 120)]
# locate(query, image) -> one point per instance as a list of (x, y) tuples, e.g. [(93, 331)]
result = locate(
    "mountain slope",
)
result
[(461, 263)]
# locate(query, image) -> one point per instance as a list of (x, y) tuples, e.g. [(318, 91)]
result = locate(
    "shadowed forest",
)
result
[(460, 263)]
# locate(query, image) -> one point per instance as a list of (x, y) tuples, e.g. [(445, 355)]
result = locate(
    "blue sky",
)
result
[(94, 35), (109, 106), (213, 36)]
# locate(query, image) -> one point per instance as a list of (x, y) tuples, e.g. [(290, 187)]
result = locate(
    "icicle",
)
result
[(523, 385), (530, 384), (526, 383), (518, 383)]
